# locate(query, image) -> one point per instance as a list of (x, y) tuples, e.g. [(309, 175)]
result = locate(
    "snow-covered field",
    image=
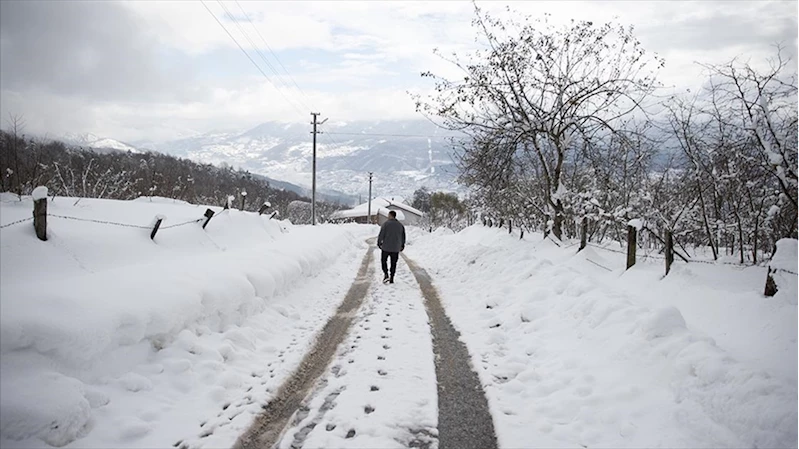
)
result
[(109, 339), (572, 354)]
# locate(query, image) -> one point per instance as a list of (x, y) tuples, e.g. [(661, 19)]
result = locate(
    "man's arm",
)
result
[(403, 239), (381, 235)]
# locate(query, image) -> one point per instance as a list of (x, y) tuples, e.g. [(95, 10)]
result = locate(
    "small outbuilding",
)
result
[(379, 210)]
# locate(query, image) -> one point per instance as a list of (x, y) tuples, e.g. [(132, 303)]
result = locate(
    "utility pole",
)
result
[(369, 207), (313, 181)]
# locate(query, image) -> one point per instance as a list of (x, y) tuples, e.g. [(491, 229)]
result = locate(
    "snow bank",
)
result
[(786, 256), (97, 315), (785, 261), (574, 350)]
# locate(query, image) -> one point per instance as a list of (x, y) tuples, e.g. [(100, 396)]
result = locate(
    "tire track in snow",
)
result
[(267, 427), (380, 391), (464, 420), (402, 377)]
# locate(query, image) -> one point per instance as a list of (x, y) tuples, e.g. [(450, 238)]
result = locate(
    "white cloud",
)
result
[(155, 70)]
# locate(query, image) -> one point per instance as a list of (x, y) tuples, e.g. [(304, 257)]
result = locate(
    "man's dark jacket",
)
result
[(392, 236)]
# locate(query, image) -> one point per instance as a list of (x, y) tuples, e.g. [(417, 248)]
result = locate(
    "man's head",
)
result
[(392, 214)]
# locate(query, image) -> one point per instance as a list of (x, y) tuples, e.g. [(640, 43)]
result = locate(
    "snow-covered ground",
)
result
[(572, 354), (109, 339), (380, 391)]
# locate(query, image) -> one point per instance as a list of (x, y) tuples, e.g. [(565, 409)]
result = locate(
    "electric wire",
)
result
[(247, 55), (390, 135), (271, 51), (260, 53)]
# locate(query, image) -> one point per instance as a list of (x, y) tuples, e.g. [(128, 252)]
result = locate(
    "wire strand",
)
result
[(16, 222), (246, 54), (263, 58), (271, 51), (388, 135)]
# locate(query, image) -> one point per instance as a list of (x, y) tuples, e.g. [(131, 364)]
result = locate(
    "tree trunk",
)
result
[(740, 237), (669, 251), (707, 226), (557, 222)]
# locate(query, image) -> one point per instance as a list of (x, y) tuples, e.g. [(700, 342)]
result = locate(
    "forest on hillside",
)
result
[(26, 163)]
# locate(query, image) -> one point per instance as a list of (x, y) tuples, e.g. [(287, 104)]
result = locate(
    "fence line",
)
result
[(16, 222), (687, 260), (184, 223), (113, 223), (89, 220)]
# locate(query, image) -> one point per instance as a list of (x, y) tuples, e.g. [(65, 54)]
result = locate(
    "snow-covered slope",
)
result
[(101, 143), (346, 153), (115, 340), (574, 351)]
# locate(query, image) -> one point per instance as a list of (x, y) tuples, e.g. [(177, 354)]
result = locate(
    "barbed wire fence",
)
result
[(40, 217), (633, 255)]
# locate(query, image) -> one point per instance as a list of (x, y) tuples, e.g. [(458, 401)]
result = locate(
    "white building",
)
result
[(380, 208)]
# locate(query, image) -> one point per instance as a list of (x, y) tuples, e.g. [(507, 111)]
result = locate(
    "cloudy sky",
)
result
[(160, 70)]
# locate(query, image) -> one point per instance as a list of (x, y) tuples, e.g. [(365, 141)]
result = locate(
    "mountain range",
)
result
[(403, 155)]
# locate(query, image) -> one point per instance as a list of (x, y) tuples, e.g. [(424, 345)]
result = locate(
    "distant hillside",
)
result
[(118, 174), (403, 155)]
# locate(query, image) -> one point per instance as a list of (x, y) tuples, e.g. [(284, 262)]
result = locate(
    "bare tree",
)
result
[(540, 93), (16, 125)]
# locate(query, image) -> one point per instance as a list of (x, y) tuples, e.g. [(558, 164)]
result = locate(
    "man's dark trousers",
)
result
[(384, 262)]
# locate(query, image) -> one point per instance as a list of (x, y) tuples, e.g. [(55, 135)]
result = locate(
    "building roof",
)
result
[(405, 207), (379, 207)]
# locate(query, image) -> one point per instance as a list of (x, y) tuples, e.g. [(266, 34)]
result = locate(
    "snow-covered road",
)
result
[(380, 389)]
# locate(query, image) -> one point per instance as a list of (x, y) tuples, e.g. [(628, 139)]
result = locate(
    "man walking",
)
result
[(391, 241)]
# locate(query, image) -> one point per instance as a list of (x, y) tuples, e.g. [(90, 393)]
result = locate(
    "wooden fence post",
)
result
[(771, 286), (669, 251), (273, 215), (510, 226), (40, 212), (264, 207), (632, 234), (158, 220), (583, 234), (243, 198), (208, 214)]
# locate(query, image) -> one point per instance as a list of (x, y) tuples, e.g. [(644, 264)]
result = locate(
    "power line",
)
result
[(388, 135), (270, 50), (247, 55), (258, 51)]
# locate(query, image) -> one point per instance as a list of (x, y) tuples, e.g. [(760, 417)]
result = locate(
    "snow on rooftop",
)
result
[(362, 210)]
